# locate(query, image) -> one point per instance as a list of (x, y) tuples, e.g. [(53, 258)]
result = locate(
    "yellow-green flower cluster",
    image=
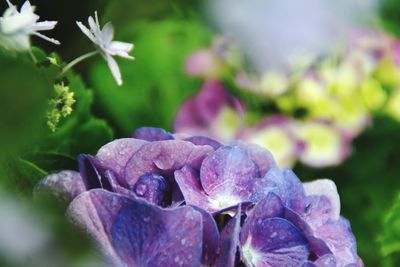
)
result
[(324, 102), (60, 106)]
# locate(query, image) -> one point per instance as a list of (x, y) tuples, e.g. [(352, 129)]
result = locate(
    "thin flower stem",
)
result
[(78, 60)]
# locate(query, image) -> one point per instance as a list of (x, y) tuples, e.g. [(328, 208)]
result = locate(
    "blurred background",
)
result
[(316, 81)]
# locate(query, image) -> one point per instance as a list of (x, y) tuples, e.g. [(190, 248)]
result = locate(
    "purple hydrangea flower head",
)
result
[(161, 199)]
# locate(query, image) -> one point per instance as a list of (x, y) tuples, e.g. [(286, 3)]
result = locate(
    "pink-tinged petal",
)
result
[(203, 63), (188, 181), (199, 112), (225, 169), (229, 242), (65, 185), (113, 66), (152, 134), (261, 156), (135, 233), (341, 241), (323, 201), (324, 144), (164, 157), (327, 260), (115, 155)]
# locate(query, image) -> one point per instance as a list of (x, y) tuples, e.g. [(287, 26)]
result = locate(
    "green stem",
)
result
[(78, 60)]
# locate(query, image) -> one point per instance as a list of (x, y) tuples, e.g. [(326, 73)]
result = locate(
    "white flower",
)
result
[(103, 40), (16, 27)]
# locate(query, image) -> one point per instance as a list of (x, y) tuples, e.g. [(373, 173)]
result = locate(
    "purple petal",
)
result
[(136, 233), (152, 134), (153, 188), (288, 188), (210, 238), (188, 181), (274, 242), (90, 172), (164, 157), (203, 140), (229, 242), (323, 201), (65, 185), (226, 168), (340, 240), (261, 156), (114, 155), (269, 207)]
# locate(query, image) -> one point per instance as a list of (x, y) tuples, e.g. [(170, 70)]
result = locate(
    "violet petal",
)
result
[(114, 155), (261, 156), (274, 242), (226, 168), (136, 233), (153, 188), (164, 157), (229, 242), (210, 238), (152, 134)]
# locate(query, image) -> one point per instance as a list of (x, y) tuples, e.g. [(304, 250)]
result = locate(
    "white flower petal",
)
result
[(120, 46), (44, 25), (112, 64), (86, 31), (107, 34), (51, 40), (27, 8)]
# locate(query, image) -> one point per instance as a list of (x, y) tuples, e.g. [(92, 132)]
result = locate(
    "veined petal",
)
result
[(135, 233), (114, 155), (113, 66)]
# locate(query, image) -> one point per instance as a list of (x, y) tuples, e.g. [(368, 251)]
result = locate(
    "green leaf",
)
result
[(390, 238)]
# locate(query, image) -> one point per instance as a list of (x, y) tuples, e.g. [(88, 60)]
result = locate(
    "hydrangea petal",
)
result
[(189, 183), (164, 157), (90, 172), (114, 155), (210, 238), (136, 233), (203, 140), (288, 188), (261, 156), (224, 169), (341, 241), (152, 134), (65, 185), (326, 188), (153, 188), (274, 242), (229, 242)]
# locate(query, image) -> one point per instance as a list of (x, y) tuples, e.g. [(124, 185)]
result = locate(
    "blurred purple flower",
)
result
[(150, 201)]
